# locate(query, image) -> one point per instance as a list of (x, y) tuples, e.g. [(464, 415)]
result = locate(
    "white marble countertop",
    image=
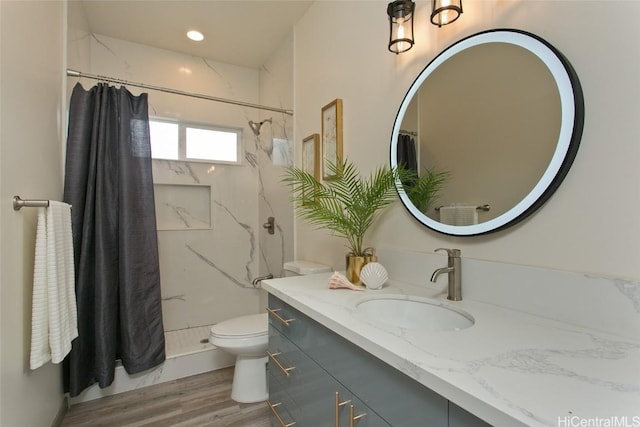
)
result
[(509, 368)]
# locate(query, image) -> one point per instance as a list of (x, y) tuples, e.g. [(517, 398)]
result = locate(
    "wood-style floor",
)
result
[(200, 400)]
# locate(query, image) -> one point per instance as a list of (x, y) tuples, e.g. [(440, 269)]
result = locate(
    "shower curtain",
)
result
[(406, 155), (109, 184)]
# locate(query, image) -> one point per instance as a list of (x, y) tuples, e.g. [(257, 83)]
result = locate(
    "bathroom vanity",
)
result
[(332, 365), (534, 347), (318, 378)]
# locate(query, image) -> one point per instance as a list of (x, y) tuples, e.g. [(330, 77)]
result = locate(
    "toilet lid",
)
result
[(243, 326)]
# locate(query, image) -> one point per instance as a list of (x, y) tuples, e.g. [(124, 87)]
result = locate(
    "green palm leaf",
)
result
[(348, 204)]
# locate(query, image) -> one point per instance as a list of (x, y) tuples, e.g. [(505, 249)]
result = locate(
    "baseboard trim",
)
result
[(62, 411)]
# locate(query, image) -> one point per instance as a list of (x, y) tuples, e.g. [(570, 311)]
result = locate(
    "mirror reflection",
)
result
[(496, 113)]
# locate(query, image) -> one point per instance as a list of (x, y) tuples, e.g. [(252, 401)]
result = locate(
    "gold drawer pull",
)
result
[(274, 313), (284, 370), (338, 404), (352, 417), (273, 407)]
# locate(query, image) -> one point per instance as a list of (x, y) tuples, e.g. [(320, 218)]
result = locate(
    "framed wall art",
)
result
[(331, 135), (311, 160), (311, 155)]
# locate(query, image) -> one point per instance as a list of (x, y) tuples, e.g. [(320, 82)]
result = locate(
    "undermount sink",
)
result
[(414, 313)]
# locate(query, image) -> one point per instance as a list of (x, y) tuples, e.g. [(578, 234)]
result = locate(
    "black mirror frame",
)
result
[(566, 149)]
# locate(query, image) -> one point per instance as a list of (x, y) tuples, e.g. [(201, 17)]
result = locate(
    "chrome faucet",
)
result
[(453, 268)]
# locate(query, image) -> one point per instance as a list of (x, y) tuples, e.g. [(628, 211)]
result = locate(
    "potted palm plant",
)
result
[(349, 204)]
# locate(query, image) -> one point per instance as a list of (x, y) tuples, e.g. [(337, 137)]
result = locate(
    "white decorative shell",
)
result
[(374, 275)]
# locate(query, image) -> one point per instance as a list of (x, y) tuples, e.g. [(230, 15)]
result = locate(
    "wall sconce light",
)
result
[(444, 12), (400, 25)]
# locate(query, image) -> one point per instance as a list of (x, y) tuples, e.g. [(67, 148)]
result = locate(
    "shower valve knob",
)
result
[(270, 225)]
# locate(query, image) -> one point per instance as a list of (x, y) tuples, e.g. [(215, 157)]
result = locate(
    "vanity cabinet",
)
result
[(301, 391), (317, 378)]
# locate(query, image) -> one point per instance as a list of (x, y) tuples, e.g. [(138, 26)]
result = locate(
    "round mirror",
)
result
[(500, 113)]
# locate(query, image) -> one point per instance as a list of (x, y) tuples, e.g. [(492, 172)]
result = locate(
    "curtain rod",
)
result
[(73, 73)]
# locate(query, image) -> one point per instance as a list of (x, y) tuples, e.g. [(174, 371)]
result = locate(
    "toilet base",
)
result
[(250, 379)]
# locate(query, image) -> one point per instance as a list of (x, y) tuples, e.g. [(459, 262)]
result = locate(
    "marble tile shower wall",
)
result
[(210, 228), (276, 89)]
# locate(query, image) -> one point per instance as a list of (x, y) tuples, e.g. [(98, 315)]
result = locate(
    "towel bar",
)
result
[(480, 208), (19, 203)]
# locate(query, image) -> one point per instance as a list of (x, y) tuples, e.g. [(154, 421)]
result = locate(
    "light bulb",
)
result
[(196, 36)]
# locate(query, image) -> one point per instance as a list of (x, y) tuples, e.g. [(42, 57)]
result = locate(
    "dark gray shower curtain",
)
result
[(108, 181), (406, 154)]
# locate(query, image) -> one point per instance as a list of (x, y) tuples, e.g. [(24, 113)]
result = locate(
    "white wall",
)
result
[(590, 224), (30, 166), (78, 39)]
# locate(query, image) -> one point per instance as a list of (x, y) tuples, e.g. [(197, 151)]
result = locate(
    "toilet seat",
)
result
[(253, 325)]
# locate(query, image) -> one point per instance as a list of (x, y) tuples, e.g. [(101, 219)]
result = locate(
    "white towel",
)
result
[(54, 322), (459, 215)]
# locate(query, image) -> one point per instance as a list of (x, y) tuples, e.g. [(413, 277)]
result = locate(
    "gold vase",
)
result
[(354, 266)]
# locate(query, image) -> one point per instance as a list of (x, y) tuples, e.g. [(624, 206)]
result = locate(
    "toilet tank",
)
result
[(303, 268)]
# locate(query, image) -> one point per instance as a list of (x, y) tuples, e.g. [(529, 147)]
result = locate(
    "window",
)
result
[(173, 140), (164, 140)]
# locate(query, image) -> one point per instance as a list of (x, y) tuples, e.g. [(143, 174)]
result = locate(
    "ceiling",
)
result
[(239, 32)]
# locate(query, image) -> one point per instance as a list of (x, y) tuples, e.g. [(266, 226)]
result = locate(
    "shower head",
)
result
[(255, 127)]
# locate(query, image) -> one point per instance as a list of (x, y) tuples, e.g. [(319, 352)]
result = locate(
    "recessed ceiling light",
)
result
[(195, 35)]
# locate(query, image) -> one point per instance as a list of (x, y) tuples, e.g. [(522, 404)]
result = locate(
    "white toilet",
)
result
[(304, 268), (247, 337)]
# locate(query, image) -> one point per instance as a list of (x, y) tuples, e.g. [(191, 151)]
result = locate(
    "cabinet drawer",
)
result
[(400, 400), (287, 320), (291, 369), (349, 410), (307, 393), (304, 388), (280, 415), (339, 409)]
